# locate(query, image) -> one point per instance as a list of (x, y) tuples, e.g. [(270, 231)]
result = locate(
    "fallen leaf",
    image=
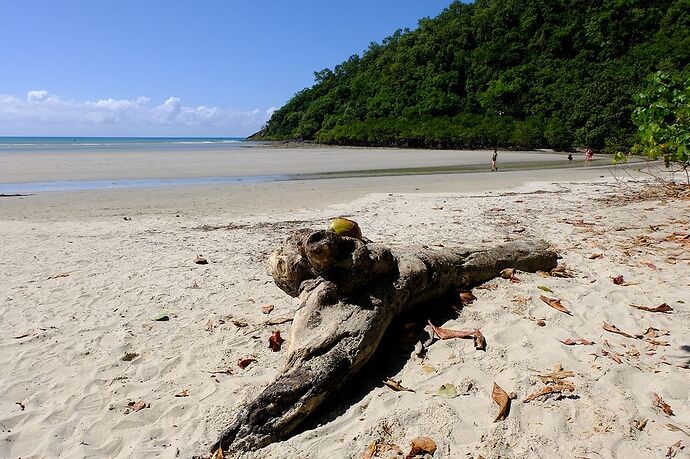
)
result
[(574, 342), (428, 369), (544, 288), (218, 454), (561, 271), (240, 323), (641, 424), (661, 308), (275, 341), (546, 390), (282, 320), (675, 428), (137, 406), (244, 363), (466, 297), (651, 265), (595, 256), (396, 386), (227, 371), (267, 308), (502, 400), (378, 448), (523, 300), (421, 446), (661, 404), (199, 260), (209, 325), (447, 391), (616, 357), (618, 280), (161, 317), (675, 449), (58, 275), (476, 335), (555, 303), (613, 329), (184, 393)]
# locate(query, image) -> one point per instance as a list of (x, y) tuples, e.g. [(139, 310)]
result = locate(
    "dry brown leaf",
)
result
[(675, 449), (184, 393), (566, 386), (218, 454), (522, 300), (239, 323), (378, 448), (595, 256), (661, 308), (137, 406), (421, 446), (618, 280), (561, 271), (661, 404), (476, 335), (396, 386), (280, 321), (555, 303), (466, 297), (502, 399), (616, 357), (267, 308), (574, 342), (641, 424), (651, 265), (199, 260), (488, 287), (613, 329), (244, 363), (275, 341)]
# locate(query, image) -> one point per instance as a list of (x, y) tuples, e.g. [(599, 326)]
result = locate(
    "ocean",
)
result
[(44, 144)]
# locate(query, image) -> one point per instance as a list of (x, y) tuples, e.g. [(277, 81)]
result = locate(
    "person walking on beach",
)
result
[(589, 155), (493, 161)]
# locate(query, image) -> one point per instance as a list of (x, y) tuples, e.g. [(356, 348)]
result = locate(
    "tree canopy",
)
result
[(505, 73)]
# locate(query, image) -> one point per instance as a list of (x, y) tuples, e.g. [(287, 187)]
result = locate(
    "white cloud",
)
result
[(42, 113)]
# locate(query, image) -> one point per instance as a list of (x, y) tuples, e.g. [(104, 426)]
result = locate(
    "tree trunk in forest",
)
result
[(349, 292)]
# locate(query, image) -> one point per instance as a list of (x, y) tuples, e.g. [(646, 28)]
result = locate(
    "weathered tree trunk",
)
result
[(350, 291)]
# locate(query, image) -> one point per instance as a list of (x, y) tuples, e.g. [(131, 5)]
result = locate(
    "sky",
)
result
[(175, 68)]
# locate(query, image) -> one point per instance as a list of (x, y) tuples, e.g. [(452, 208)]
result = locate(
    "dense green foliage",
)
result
[(663, 119), (508, 73)]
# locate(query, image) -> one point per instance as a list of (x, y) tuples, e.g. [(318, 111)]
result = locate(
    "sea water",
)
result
[(96, 145)]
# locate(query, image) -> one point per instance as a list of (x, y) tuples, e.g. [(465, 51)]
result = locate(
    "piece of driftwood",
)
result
[(349, 292)]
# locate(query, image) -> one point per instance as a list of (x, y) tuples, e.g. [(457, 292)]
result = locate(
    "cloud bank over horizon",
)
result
[(42, 113)]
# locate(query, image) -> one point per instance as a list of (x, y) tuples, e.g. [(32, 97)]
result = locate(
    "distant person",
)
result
[(570, 157), (589, 155), (493, 161)]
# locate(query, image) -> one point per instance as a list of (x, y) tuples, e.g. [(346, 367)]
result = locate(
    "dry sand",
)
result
[(80, 286)]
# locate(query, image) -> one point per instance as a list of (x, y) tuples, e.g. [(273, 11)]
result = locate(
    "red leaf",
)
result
[(244, 363), (275, 341)]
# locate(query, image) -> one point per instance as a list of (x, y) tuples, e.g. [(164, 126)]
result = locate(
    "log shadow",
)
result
[(686, 348), (393, 353)]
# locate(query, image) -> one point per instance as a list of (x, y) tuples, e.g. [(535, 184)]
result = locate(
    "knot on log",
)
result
[(347, 262)]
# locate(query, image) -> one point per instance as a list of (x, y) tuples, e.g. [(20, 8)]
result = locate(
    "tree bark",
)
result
[(350, 291)]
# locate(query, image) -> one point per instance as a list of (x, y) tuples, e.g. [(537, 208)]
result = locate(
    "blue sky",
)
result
[(162, 67)]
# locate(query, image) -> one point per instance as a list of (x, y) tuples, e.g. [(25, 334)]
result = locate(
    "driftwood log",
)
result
[(349, 292)]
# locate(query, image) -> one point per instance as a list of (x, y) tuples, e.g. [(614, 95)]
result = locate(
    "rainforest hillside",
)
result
[(507, 73)]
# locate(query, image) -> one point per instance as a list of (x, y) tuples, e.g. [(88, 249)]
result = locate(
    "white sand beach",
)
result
[(81, 285)]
